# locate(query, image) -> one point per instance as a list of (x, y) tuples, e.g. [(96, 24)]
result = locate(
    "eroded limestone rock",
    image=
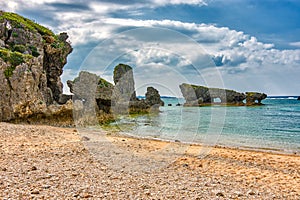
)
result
[(30, 68), (153, 97), (84, 89), (118, 99), (200, 95), (254, 98), (124, 83)]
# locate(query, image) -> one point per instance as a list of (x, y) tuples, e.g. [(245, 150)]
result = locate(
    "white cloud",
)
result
[(176, 2), (247, 62), (295, 44), (16, 5)]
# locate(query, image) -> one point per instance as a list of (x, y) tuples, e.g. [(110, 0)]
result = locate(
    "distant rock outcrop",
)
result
[(31, 62), (254, 98), (199, 96)]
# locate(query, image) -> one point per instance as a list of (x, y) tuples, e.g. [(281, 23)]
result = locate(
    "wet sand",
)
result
[(43, 162)]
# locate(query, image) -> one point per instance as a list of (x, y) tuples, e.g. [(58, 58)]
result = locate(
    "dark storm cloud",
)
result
[(69, 6)]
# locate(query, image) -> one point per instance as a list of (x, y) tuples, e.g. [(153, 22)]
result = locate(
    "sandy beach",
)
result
[(43, 162)]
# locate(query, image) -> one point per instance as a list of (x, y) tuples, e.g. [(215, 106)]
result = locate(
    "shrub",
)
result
[(19, 48), (8, 72), (34, 51), (103, 83), (14, 34), (14, 58), (58, 44)]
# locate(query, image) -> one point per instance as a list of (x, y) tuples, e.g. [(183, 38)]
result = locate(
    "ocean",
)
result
[(274, 126)]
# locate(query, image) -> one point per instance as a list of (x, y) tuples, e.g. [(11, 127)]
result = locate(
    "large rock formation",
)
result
[(96, 98), (199, 95), (124, 83), (153, 97), (124, 98), (55, 58), (31, 62), (92, 98)]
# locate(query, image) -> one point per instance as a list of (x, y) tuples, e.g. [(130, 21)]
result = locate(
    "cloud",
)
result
[(295, 44), (176, 2), (103, 6), (187, 48), (77, 7)]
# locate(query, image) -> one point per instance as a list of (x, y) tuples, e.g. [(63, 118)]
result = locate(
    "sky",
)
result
[(245, 45)]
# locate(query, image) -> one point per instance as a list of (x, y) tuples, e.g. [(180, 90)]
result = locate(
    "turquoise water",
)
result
[(274, 126)]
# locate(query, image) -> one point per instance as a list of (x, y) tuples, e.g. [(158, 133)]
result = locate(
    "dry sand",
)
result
[(43, 162)]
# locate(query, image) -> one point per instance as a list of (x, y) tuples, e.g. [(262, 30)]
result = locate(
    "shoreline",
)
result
[(217, 145), (45, 162)]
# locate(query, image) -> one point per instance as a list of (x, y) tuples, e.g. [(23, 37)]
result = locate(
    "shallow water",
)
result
[(274, 126)]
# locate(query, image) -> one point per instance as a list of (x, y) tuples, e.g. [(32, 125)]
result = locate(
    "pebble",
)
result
[(46, 186), (220, 194), (86, 195), (84, 138), (251, 192), (35, 192)]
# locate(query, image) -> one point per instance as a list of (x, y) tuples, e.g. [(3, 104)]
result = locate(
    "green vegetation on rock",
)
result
[(14, 58), (19, 48), (34, 51), (104, 83), (21, 22), (250, 94), (14, 34), (58, 44)]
